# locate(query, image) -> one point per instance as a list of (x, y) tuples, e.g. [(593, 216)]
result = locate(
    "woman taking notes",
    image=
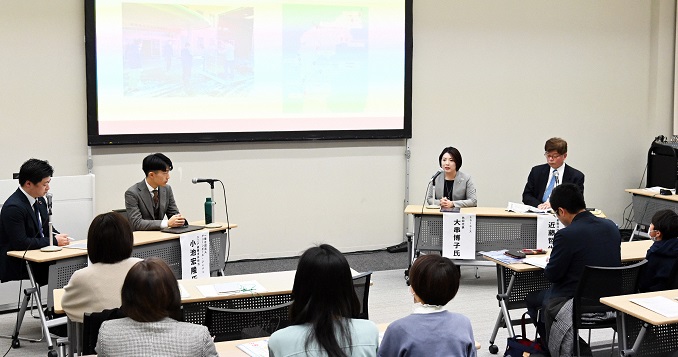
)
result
[(452, 188), (430, 330), (321, 314)]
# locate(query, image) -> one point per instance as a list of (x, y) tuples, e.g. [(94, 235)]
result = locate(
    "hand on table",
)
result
[(176, 221), (445, 203), (62, 239)]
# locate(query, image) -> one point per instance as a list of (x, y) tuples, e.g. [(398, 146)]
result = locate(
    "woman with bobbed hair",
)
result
[(430, 330), (663, 253), (97, 287), (451, 188), (152, 303), (322, 312)]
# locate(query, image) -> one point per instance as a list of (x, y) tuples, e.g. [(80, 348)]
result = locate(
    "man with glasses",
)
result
[(544, 178), (150, 203)]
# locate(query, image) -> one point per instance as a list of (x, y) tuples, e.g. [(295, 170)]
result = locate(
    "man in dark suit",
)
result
[(150, 203), (585, 240), (543, 178), (24, 222)]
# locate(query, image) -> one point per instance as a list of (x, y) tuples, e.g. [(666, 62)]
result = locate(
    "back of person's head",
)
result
[(156, 162), (456, 156), (324, 297), (151, 292), (556, 144), (567, 196), (666, 221), (34, 170), (435, 279), (109, 239)]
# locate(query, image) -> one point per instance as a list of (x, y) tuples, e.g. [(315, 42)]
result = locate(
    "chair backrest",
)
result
[(361, 284), (598, 282), (91, 324), (236, 324)]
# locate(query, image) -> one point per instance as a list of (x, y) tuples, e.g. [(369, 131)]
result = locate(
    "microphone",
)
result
[(199, 180), (48, 196), (440, 171)]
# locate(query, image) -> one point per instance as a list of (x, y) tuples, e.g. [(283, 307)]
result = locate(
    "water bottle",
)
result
[(208, 210)]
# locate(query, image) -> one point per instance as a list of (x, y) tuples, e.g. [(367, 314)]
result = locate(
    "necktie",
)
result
[(552, 183), (36, 211), (156, 204)]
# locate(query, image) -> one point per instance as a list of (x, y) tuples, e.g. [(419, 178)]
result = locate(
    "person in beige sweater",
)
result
[(97, 287)]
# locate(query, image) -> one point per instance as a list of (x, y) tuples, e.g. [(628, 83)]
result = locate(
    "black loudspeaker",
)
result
[(662, 164)]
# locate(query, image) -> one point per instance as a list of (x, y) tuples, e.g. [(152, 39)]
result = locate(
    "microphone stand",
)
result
[(51, 247), (213, 224)]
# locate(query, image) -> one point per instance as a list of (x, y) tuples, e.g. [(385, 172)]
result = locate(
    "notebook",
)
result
[(182, 229)]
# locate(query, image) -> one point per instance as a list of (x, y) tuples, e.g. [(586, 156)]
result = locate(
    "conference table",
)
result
[(63, 263), (515, 281), (652, 333), (646, 203)]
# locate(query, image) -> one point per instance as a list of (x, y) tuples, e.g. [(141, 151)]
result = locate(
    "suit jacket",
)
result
[(139, 205), (588, 240), (537, 180), (463, 193), (167, 337), (19, 231)]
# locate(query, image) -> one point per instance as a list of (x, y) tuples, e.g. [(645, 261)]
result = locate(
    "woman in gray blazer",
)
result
[(452, 188)]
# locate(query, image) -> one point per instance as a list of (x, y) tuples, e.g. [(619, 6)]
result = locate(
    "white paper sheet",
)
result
[(251, 286), (659, 304)]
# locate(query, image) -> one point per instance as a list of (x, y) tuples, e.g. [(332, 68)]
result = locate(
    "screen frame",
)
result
[(96, 139)]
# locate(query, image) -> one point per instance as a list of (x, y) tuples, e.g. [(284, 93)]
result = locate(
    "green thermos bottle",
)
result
[(208, 210)]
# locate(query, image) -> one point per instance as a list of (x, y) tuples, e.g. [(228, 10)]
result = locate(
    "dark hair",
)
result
[(456, 156), (556, 144), (109, 239), (151, 292), (567, 196), (34, 170), (156, 162), (325, 298), (435, 279), (666, 221)]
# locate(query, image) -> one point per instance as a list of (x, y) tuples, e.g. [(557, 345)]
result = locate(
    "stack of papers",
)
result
[(235, 288), (500, 256), (659, 304), (521, 208), (255, 349), (539, 261)]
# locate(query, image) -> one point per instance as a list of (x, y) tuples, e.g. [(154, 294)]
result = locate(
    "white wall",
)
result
[(495, 79)]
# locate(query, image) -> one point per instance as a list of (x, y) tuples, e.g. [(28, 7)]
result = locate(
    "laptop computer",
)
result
[(182, 229)]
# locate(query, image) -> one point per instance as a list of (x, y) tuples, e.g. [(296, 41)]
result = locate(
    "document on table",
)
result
[(539, 261), (221, 289), (76, 246), (500, 256), (255, 349), (183, 292), (659, 304), (521, 208)]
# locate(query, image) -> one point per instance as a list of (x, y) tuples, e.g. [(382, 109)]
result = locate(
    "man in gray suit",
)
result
[(150, 203)]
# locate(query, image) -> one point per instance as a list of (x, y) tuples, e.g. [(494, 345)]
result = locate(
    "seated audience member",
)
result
[(453, 188), (431, 330), (24, 222), (322, 313), (97, 287), (150, 203), (151, 300), (585, 240), (543, 178), (663, 254)]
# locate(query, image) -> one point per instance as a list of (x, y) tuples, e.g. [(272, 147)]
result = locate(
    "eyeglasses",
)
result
[(552, 157)]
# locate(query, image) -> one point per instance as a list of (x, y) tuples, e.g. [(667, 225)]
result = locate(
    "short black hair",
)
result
[(34, 170), (666, 221), (456, 156), (109, 239), (435, 279), (156, 162), (151, 292), (567, 196)]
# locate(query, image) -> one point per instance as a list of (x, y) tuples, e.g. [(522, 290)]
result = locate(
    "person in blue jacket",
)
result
[(663, 254)]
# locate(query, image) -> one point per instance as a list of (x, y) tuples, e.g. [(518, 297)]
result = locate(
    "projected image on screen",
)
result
[(221, 69), (187, 50)]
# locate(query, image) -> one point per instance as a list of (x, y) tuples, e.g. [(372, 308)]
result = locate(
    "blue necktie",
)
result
[(37, 218), (552, 184)]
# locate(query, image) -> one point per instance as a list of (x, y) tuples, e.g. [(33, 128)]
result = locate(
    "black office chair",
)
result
[(91, 323), (597, 282), (237, 324), (361, 284)]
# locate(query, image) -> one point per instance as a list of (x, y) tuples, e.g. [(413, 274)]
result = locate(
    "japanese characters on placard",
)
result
[(459, 235), (547, 226), (195, 255)]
